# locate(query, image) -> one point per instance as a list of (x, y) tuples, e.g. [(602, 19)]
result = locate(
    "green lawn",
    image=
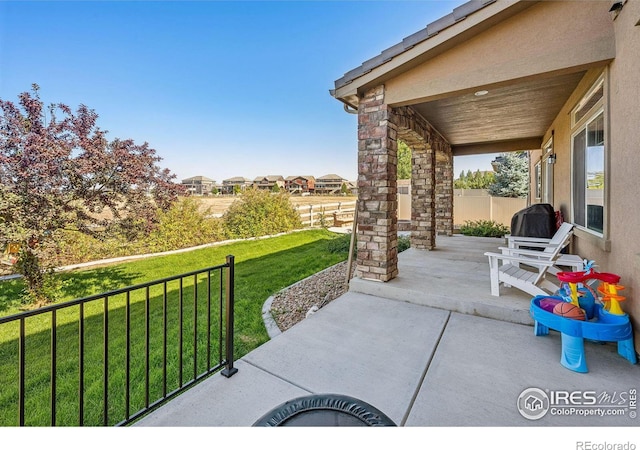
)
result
[(262, 268)]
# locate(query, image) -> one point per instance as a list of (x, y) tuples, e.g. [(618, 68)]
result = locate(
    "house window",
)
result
[(548, 161), (588, 147), (595, 95), (538, 180)]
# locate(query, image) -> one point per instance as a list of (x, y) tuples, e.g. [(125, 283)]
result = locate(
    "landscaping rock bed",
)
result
[(292, 304)]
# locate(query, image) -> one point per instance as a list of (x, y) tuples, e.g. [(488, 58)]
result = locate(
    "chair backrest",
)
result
[(560, 238), (554, 251)]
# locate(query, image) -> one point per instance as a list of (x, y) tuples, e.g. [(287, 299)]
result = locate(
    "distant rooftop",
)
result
[(306, 177), (270, 178), (197, 178), (331, 176)]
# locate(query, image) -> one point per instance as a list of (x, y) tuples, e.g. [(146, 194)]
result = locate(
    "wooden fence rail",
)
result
[(339, 214)]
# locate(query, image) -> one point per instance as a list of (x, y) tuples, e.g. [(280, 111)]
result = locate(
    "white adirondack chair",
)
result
[(506, 268), (546, 247)]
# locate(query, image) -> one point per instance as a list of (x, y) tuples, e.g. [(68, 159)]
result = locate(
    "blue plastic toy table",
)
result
[(604, 327)]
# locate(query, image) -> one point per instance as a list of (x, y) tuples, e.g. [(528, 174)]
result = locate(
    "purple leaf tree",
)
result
[(59, 171)]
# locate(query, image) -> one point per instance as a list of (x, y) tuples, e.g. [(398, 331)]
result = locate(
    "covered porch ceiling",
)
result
[(507, 117)]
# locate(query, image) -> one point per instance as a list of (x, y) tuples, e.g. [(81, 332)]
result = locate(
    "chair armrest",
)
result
[(525, 252), (526, 239), (537, 245), (520, 259)]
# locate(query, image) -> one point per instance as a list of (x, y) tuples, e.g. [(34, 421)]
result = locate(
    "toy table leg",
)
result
[(573, 357), (540, 329), (627, 351)]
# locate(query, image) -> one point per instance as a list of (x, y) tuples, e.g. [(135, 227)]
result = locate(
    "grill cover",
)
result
[(537, 220)]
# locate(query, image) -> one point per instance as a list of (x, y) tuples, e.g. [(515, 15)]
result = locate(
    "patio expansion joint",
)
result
[(277, 376), (424, 372)]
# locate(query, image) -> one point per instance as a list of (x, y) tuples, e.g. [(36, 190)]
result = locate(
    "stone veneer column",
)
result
[(444, 193), (377, 202), (423, 211), (431, 178)]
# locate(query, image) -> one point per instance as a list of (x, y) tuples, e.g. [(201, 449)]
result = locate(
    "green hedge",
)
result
[(484, 228)]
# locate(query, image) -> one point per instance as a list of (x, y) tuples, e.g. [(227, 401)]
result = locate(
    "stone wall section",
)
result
[(379, 127), (444, 193), (423, 211), (377, 257), (431, 178)]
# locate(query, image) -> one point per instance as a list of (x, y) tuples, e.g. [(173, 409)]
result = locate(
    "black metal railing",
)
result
[(109, 358)]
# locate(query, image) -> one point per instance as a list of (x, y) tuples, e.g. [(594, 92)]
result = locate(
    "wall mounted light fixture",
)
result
[(616, 7)]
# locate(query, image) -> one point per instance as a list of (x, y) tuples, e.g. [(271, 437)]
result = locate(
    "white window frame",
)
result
[(579, 126), (548, 158), (537, 181)]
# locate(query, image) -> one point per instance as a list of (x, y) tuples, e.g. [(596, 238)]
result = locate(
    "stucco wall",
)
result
[(624, 169), (554, 35), (620, 252)]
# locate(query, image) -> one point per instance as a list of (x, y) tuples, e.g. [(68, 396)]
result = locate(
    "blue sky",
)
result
[(219, 89)]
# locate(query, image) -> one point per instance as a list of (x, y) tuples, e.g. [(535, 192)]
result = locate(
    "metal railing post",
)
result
[(229, 370)]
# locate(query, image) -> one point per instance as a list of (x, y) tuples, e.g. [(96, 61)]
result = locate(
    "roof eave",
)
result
[(468, 19)]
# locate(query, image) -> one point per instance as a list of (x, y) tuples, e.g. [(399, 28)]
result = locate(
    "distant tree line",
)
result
[(511, 178), (474, 180)]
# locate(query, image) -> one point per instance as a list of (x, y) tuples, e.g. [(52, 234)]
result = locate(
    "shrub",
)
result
[(185, 224), (340, 244), (260, 213), (404, 242), (484, 228), (75, 247)]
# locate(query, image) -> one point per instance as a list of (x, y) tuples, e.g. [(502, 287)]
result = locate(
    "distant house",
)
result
[(269, 181), (199, 185), (352, 186), (300, 184), (329, 184), (229, 185)]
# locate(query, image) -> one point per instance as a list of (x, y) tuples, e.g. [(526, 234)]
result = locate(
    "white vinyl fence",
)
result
[(472, 204), (468, 204), (338, 214)]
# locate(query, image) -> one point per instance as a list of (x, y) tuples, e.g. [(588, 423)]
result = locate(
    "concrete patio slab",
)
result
[(421, 365), (362, 346), (373, 349), (225, 402), (454, 276), (482, 366)]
